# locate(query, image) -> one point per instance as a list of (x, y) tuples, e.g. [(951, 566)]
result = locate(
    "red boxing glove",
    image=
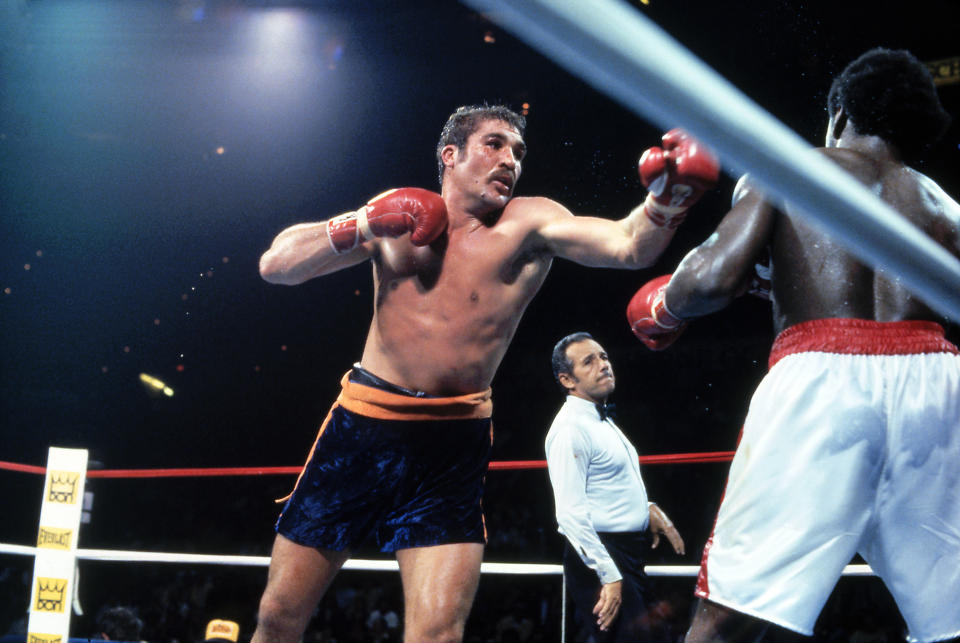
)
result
[(650, 319), (391, 214), (677, 176)]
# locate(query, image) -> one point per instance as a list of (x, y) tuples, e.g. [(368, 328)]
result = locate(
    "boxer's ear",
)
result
[(448, 154)]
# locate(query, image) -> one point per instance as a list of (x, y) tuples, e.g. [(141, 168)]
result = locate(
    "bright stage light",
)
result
[(279, 46), (278, 34)]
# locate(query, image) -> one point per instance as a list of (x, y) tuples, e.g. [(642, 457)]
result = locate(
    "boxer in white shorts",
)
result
[(852, 441), (850, 446)]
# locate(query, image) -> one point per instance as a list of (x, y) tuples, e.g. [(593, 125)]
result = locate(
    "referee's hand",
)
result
[(661, 524), (608, 606)]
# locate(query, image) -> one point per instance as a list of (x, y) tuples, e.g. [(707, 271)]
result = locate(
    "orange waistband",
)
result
[(861, 337), (375, 403)]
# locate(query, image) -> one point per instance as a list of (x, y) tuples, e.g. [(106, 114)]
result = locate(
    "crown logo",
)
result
[(50, 594), (53, 538), (63, 487)]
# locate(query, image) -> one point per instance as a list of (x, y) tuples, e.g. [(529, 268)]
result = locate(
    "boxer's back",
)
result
[(816, 278)]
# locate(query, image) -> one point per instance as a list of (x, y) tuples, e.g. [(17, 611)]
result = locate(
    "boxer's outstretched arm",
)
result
[(676, 175), (303, 251), (308, 250), (718, 270), (632, 242)]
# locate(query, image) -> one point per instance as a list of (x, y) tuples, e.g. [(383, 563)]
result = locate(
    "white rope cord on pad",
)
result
[(119, 556), (619, 51)]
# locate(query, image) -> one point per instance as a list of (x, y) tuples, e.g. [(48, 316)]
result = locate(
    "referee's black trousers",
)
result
[(628, 550)]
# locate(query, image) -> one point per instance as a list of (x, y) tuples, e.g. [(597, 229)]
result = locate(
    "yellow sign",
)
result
[(51, 595), (946, 71), (63, 487), (44, 638), (221, 629), (53, 538)]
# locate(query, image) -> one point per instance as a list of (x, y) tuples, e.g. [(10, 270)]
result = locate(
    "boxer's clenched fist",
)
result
[(677, 175), (391, 214), (650, 319)]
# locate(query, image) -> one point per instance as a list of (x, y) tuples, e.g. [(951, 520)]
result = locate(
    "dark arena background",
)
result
[(151, 149)]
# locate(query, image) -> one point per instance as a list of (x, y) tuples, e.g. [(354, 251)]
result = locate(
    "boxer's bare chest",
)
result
[(469, 263)]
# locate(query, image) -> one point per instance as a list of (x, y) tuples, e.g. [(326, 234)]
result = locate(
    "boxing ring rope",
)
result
[(620, 52), (122, 556), (107, 555), (500, 465)]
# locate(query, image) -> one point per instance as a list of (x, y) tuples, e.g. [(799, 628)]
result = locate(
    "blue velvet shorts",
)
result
[(402, 478)]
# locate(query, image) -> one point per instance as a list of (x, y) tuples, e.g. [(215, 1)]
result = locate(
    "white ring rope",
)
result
[(613, 47), (117, 556)]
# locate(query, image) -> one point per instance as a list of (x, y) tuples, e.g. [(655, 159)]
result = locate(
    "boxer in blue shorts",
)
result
[(453, 273), (408, 482)]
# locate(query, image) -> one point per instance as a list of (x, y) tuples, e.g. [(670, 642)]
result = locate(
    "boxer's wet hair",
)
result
[(890, 94), (465, 120), (559, 360)]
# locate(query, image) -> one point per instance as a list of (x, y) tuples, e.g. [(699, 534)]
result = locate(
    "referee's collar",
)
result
[(600, 410)]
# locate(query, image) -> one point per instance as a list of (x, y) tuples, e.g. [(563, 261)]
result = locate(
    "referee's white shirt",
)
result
[(596, 482)]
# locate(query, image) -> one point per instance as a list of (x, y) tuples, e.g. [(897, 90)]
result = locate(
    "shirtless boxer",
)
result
[(403, 451), (852, 440)]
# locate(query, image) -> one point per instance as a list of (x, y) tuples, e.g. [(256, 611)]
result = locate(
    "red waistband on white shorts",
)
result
[(861, 337)]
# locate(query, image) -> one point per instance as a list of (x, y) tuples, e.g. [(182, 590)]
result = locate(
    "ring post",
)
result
[(55, 561)]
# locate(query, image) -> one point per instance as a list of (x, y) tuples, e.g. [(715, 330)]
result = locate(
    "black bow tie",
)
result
[(606, 410)]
